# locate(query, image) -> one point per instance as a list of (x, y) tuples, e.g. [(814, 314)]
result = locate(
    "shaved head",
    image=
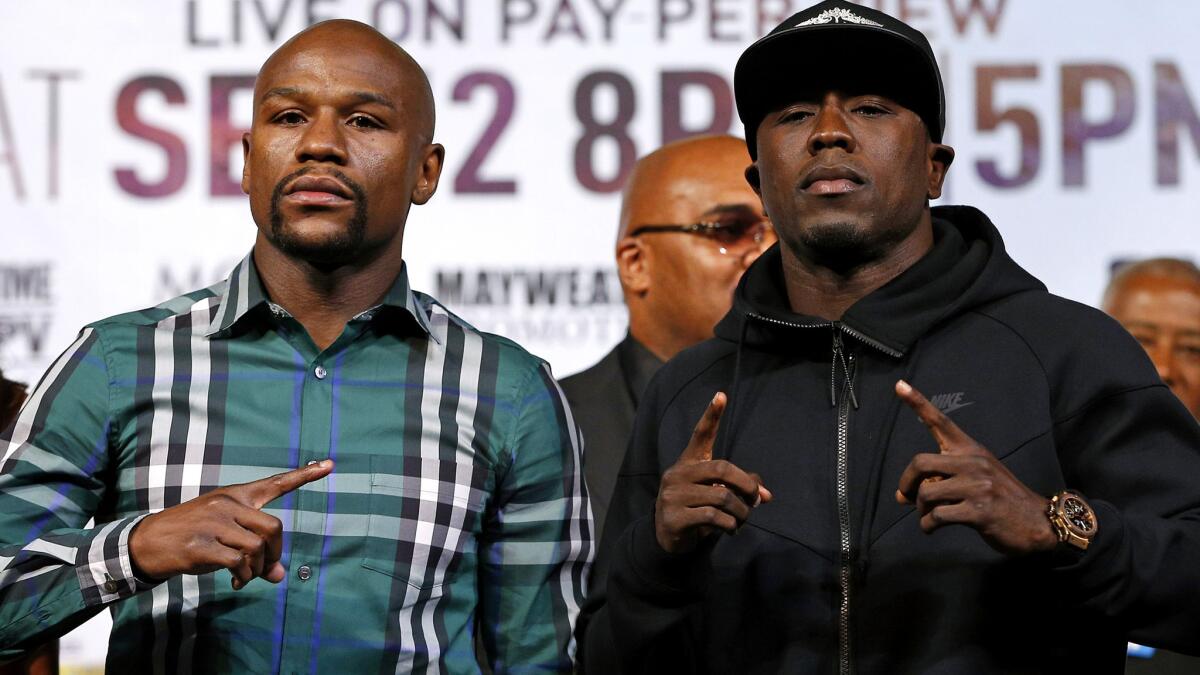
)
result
[(678, 284), (340, 33), (683, 172), (340, 146)]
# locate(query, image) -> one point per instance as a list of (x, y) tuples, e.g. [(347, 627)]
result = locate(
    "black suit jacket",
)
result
[(603, 400)]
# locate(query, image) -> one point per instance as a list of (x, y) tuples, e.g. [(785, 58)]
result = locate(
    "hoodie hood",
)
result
[(967, 267)]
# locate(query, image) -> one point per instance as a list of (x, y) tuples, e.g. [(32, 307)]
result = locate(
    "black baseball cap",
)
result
[(839, 45)]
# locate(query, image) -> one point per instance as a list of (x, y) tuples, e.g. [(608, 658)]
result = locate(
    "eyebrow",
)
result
[(358, 96)]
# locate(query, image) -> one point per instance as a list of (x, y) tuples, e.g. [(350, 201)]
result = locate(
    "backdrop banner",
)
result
[(1076, 124)]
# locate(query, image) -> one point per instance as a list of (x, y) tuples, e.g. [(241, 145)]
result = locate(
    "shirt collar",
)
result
[(638, 364), (243, 292)]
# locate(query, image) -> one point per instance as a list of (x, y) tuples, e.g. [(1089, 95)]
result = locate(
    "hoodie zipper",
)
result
[(843, 469), (843, 506)]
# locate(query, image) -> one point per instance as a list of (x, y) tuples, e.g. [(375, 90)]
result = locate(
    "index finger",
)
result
[(260, 492), (944, 430), (700, 447)]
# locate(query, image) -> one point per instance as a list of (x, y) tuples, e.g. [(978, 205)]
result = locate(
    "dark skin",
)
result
[(338, 151), (699, 496), (358, 116), (846, 178), (678, 285)]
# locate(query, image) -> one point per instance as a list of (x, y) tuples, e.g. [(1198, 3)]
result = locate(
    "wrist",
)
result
[(1071, 519), (139, 572)]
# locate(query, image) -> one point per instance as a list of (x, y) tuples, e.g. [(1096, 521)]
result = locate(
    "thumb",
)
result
[(700, 447)]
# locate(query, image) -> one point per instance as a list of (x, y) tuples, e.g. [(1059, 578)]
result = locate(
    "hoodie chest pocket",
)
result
[(424, 515)]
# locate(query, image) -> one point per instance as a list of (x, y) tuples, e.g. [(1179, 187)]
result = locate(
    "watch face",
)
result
[(1078, 515)]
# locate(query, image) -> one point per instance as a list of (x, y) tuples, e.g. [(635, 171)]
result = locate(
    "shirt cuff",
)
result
[(103, 565)]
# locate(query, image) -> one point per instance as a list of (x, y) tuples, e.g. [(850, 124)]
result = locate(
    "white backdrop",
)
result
[(1077, 126)]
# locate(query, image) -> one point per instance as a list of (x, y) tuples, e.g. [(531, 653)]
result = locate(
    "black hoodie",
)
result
[(1056, 390)]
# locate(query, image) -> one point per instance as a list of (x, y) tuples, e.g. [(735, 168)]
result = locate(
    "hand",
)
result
[(965, 484), (224, 528), (698, 495)]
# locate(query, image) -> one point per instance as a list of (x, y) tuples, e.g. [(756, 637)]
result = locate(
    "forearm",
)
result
[(1141, 572), (53, 583), (649, 596)]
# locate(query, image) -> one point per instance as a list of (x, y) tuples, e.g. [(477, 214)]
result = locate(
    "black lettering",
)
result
[(194, 38), (453, 24), (449, 284)]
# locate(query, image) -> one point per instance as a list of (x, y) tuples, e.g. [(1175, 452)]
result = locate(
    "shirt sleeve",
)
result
[(55, 572), (535, 554)]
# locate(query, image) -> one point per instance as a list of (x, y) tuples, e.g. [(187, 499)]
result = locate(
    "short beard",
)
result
[(844, 248), (341, 248)]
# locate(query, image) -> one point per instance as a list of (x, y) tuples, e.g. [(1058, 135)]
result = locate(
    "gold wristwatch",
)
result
[(1072, 518)]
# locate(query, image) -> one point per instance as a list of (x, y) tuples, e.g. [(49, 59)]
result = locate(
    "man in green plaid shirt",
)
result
[(401, 479)]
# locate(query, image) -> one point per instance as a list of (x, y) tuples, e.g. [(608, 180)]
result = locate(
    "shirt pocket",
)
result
[(424, 514)]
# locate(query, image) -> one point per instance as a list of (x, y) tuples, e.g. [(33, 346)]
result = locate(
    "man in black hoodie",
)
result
[(1038, 509)]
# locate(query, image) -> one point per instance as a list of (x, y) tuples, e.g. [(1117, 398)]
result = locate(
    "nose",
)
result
[(323, 141), (830, 130)]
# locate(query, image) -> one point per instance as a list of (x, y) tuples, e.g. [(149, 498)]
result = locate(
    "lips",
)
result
[(318, 190), (831, 180)]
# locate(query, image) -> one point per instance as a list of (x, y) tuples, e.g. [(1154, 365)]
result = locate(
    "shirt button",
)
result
[(320, 372), (304, 572), (110, 586)]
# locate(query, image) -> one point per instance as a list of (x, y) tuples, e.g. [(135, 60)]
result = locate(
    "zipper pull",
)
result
[(833, 363)]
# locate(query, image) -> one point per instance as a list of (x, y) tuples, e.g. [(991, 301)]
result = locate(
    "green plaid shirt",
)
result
[(456, 502)]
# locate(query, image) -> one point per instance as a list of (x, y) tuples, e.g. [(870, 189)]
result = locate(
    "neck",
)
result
[(324, 300), (815, 288), (657, 337)]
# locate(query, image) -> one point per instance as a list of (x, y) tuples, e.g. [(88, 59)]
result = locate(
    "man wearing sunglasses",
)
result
[(690, 225), (791, 503)]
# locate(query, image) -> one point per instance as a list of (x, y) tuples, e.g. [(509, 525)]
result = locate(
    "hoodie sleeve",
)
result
[(1136, 456), (636, 616), (1127, 444)]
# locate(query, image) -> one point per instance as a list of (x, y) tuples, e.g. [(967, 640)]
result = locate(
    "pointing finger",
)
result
[(944, 431), (261, 492), (700, 447)]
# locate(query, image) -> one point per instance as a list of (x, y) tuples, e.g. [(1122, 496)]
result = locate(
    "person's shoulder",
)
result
[(708, 362), (1050, 321), (191, 312), (597, 375), (443, 323), (1075, 343)]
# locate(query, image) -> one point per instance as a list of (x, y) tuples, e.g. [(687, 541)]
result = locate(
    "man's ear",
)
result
[(430, 173), (246, 163), (940, 158), (754, 179), (633, 266)]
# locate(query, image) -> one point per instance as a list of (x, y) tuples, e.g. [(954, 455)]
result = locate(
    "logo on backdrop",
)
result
[(26, 315), (539, 307)]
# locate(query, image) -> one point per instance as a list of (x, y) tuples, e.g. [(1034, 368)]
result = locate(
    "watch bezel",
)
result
[(1064, 528)]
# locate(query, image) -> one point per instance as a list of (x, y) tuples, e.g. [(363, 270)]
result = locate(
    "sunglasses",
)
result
[(734, 235)]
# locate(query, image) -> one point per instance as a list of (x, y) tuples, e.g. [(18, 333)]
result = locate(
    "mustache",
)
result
[(360, 194)]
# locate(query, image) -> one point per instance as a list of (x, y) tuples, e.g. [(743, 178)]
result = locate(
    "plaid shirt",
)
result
[(456, 500)]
